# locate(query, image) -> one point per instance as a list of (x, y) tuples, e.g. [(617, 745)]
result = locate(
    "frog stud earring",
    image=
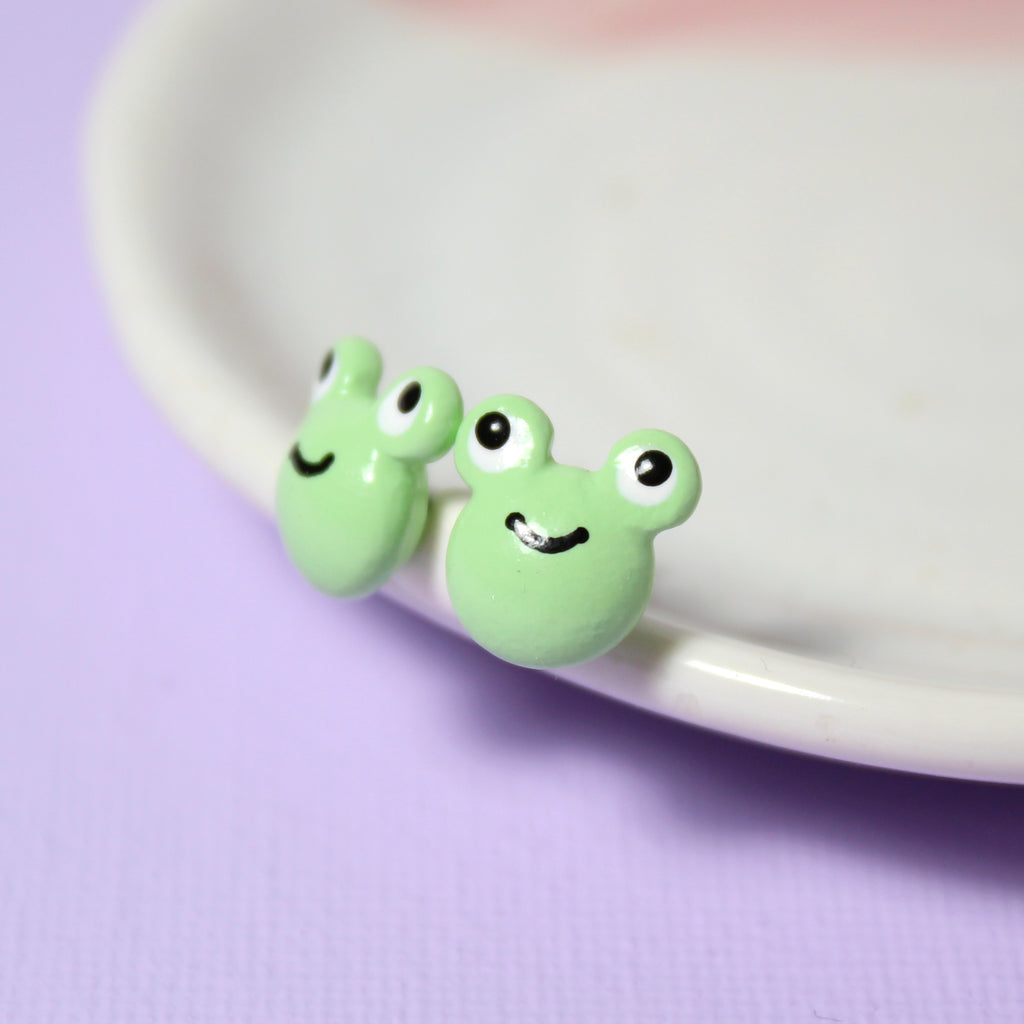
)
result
[(352, 492), (551, 565)]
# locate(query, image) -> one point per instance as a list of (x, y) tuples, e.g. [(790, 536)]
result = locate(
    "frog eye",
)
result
[(645, 476), (499, 442), (327, 376), (397, 410)]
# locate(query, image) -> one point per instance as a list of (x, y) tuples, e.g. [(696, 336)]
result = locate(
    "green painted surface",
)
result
[(522, 579), (352, 493)]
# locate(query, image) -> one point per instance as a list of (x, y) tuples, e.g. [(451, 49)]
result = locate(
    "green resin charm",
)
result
[(552, 565), (352, 492)]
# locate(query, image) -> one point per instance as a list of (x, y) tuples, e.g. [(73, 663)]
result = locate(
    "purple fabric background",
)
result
[(224, 797)]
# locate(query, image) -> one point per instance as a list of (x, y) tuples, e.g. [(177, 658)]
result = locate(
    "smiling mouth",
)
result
[(545, 545), (305, 468)]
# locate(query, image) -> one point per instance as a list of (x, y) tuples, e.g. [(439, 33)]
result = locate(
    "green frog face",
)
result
[(552, 565), (352, 492)]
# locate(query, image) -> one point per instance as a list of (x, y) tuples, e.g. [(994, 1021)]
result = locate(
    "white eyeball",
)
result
[(499, 442), (645, 476), (328, 373), (397, 410)]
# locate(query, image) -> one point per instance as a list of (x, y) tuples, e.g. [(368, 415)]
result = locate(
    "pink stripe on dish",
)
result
[(996, 25)]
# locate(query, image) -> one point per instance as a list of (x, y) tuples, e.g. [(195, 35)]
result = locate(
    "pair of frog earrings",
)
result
[(547, 565)]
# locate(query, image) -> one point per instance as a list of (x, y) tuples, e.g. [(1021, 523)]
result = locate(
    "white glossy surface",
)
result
[(809, 269)]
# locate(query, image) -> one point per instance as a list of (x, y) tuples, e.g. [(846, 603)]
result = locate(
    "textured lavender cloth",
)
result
[(225, 798)]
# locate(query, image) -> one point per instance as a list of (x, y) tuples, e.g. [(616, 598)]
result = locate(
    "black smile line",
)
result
[(304, 468), (546, 545)]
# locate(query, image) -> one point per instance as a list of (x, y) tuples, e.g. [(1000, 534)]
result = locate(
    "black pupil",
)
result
[(653, 468), (493, 430), (410, 396), (325, 366)]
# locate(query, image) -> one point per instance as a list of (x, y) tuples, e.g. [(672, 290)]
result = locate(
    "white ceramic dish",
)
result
[(808, 268)]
